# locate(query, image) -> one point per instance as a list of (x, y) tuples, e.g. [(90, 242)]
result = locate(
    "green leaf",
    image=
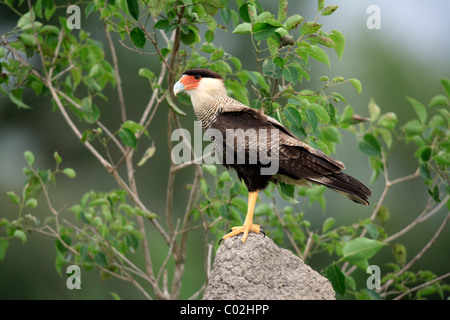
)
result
[(309, 27), (238, 91), (60, 261), (24, 22), (29, 156), (372, 230), (271, 69), (146, 73), (20, 235), (57, 157), (91, 112), (133, 8), (16, 97), (328, 224), (293, 116), (212, 6), (425, 153), (320, 5), (28, 39), (290, 74), (155, 7), (312, 119), (321, 112), (424, 171), (400, 253), (31, 203), (367, 294), (360, 249), (386, 135), (4, 243), (173, 106), (383, 214), (13, 197), (337, 278), (325, 41), (357, 84), (388, 120), (374, 110), (419, 108), (217, 54), (244, 11), (439, 100), (293, 21), (319, 54), (162, 24), (331, 133), (69, 172), (128, 138), (209, 36), (339, 39), (132, 241), (369, 145), (262, 30), (282, 9), (189, 37), (329, 10), (412, 127), (212, 169), (286, 189), (101, 259), (50, 9), (446, 84), (138, 37), (89, 9)]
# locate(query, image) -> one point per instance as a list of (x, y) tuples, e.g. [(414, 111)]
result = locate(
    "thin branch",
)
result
[(136, 50), (117, 75), (421, 252), (286, 231), (421, 218), (168, 256), (423, 285), (309, 244), (162, 75), (55, 55), (99, 123), (388, 185)]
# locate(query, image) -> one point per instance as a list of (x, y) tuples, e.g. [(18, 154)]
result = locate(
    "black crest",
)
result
[(204, 73)]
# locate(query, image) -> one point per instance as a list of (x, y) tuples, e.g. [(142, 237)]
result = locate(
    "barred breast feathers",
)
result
[(207, 109)]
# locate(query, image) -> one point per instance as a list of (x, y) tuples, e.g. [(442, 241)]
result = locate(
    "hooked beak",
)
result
[(178, 87)]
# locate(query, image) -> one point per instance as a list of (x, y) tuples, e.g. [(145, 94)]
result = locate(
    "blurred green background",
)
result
[(406, 57)]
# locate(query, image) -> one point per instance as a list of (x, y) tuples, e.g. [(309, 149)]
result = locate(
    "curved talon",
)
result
[(262, 230), (223, 238), (245, 230)]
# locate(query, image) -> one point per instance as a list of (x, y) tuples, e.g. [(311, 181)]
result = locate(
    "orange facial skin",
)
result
[(190, 82)]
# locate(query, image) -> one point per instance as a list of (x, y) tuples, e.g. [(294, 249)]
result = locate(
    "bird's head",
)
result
[(200, 83)]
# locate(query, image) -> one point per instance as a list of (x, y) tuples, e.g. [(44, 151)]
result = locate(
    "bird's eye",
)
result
[(197, 76)]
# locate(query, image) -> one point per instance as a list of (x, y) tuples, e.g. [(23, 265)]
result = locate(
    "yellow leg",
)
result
[(248, 223)]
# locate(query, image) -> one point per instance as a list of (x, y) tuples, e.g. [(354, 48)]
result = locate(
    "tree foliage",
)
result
[(105, 229)]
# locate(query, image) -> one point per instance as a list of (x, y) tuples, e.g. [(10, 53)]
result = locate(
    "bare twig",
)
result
[(423, 285), (421, 252), (421, 218), (286, 231), (117, 75)]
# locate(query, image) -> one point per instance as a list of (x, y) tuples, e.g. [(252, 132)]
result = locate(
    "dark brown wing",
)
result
[(297, 160)]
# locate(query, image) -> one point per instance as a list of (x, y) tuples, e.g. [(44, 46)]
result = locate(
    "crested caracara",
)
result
[(253, 133)]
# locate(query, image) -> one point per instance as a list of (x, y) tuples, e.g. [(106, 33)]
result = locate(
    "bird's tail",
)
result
[(346, 185)]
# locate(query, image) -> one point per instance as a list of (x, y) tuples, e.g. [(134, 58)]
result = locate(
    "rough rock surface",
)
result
[(260, 270)]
